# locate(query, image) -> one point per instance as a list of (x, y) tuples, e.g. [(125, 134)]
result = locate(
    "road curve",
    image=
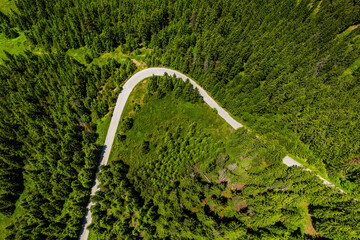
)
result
[(119, 107)]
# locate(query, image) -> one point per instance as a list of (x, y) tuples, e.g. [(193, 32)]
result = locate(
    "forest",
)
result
[(188, 181), (289, 70)]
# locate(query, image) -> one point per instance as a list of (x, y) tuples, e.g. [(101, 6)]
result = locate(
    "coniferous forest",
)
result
[(288, 70)]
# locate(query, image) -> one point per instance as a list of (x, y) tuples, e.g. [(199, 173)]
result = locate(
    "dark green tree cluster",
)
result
[(11, 162), (160, 86), (7, 26), (101, 26), (47, 134), (125, 214)]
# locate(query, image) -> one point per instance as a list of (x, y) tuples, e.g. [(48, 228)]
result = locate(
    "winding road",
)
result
[(119, 107)]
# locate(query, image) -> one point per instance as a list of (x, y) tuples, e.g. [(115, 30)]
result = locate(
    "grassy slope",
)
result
[(136, 56), (5, 220), (17, 45), (7, 5), (13, 46), (161, 110), (102, 126)]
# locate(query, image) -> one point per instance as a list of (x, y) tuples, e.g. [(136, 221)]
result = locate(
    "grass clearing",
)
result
[(17, 46), (166, 110), (136, 56), (93, 236), (308, 228), (14, 46), (79, 54), (347, 31), (102, 126), (19, 211), (347, 74), (6, 6)]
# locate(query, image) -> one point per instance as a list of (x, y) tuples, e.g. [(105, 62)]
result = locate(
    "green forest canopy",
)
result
[(288, 69)]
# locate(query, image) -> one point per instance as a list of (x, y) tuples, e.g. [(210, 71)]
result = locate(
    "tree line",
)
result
[(49, 107)]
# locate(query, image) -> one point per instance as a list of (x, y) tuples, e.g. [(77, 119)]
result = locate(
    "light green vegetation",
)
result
[(7, 5), (102, 126), (79, 53), (316, 10), (18, 212), (348, 73), (167, 110), (5, 221), (347, 31), (137, 56), (93, 236), (13, 46)]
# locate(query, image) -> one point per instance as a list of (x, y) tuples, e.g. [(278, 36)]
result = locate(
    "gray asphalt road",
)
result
[(292, 163), (119, 107)]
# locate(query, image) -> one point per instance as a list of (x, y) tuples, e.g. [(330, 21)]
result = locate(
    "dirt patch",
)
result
[(101, 89), (137, 63), (204, 202), (309, 228), (236, 186), (355, 160), (218, 181), (88, 127), (105, 55), (194, 210), (226, 193), (353, 27), (217, 64), (239, 204)]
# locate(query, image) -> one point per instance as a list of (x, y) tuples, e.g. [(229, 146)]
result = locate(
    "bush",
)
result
[(127, 124)]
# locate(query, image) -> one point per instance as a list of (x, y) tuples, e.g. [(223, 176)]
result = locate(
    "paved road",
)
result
[(119, 107), (292, 163)]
